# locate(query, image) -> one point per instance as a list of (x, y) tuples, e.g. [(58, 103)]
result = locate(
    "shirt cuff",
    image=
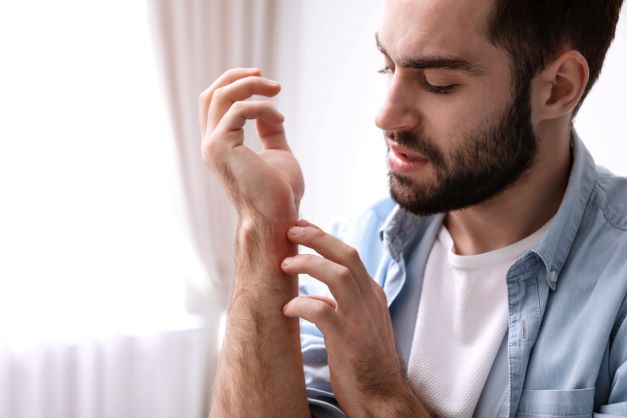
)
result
[(322, 404)]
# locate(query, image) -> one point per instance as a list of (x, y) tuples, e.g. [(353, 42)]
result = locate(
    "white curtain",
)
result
[(92, 322), (196, 41), (158, 375)]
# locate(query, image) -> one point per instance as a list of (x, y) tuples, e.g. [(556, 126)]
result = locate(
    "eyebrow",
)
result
[(435, 62)]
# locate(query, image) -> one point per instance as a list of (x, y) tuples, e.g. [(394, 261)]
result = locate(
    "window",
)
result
[(89, 237)]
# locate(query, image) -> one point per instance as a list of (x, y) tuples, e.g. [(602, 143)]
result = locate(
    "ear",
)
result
[(560, 86)]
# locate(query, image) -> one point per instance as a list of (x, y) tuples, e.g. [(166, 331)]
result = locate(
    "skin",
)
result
[(260, 370), (419, 29)]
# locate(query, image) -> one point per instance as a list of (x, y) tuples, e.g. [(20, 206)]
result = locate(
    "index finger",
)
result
[(226, 78), (330, 248)]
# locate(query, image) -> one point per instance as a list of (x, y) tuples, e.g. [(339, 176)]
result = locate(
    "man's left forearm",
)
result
[(404, 404)]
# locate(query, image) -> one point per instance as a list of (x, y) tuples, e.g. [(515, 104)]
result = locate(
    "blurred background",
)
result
[(115, 241)]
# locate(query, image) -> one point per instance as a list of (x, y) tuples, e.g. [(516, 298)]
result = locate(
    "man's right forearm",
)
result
[(260, 371)]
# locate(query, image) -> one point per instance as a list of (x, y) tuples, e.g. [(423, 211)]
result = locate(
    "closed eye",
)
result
[(430, 88), (436, 89)]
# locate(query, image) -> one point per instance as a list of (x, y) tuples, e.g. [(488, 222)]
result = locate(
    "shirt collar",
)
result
[(556, 244), (553, 248), (398, 229)]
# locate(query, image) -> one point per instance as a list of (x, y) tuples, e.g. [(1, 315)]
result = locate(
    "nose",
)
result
[(398, 112)]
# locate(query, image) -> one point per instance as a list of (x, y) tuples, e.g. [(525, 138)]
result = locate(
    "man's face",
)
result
[(458, 128)]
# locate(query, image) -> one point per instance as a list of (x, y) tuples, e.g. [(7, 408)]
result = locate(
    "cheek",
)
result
[(448, 120), (447, 124)]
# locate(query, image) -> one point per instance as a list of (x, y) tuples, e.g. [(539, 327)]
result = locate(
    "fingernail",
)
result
[(273, 83), (295, 230), (287, 261)]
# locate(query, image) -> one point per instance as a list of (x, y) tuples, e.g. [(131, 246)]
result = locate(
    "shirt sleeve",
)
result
[(617, 401), (323, 404)]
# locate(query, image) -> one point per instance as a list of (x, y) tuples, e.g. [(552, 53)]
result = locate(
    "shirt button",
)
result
[(553, 276)]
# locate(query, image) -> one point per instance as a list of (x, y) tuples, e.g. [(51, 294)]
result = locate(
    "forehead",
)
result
[(433, 27)]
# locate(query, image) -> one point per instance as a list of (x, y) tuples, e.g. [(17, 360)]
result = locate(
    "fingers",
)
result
[(229, 133), (222, 98), (240, 112), (224, 109), (329, 301), (339, 279), (333, 249), (228, 77), (304, 222), (236, 117), (272, 136), (314, 310)]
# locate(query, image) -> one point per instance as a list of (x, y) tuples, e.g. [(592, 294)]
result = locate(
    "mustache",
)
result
[(418, 143)]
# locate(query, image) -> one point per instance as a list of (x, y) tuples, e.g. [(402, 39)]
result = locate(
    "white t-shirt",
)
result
[(462, 319)]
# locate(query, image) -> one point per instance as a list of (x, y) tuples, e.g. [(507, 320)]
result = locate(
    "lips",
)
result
[(404, 161), (407, 155)]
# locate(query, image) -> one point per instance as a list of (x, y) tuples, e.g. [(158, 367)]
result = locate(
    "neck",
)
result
[(525, 206)]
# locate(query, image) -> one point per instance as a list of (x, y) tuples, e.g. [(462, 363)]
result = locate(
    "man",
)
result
[(493, 285)]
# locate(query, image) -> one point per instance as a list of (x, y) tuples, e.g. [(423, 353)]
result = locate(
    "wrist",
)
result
[(260, 248), (398, 402), (409, 405), (267, 241), (270, 219)]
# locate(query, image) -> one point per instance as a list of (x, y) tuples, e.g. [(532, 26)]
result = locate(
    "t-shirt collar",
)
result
[(400, 227)]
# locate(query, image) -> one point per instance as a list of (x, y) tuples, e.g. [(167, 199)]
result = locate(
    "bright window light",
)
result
[(90, 241)]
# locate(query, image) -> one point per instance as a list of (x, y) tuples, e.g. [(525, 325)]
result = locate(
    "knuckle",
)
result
[(352, 254), (202, 97), (218, 94), (378, 290), (317, 233), (238, 107), (343, 273), (322, 311)]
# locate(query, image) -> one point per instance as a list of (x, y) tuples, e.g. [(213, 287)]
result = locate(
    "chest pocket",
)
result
[(576, 403)]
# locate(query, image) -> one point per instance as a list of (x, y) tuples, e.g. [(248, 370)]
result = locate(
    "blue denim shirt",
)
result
[(565, 351)]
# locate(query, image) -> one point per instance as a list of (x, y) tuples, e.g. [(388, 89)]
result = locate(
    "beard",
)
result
[(489, 161)]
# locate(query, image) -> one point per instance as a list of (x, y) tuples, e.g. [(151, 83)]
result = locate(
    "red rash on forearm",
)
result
[(261, 370)]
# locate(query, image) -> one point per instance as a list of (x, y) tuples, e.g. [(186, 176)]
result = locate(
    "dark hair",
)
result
[(536, 31)]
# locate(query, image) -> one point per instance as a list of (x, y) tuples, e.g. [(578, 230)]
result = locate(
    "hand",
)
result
[(366, 373), (268, 184)]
